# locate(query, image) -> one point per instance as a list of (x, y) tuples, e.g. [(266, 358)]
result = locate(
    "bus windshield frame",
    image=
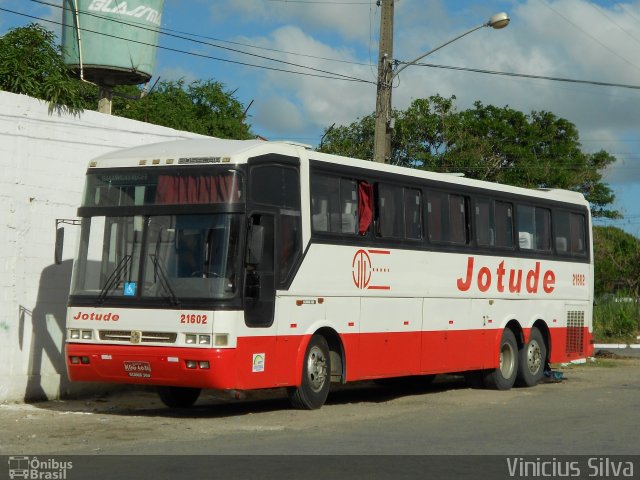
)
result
[(170, 237)]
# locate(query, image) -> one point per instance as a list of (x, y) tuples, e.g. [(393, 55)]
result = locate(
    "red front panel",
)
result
[(253, 364)]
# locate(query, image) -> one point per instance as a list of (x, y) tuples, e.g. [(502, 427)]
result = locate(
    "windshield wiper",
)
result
[(161, 274), (114, 279)]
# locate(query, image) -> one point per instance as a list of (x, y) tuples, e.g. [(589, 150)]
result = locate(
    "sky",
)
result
[(303, 65)]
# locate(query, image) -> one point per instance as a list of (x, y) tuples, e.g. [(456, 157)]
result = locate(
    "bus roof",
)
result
[(215, 150)]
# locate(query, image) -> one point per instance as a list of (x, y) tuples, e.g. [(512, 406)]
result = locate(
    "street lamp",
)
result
[(386, 75)]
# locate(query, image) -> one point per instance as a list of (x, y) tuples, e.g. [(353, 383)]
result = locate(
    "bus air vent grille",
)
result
[(575, 331), (147, 337)]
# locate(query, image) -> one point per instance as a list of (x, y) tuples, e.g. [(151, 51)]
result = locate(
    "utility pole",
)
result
[(382, 137), (105, 100)]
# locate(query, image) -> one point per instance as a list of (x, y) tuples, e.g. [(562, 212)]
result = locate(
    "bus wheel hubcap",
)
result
[(316, 369), (534, 357), (507, 360)]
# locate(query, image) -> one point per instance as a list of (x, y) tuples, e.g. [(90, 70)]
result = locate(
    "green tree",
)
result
[(31, 64), (203, 107), (617, 261), (497, 144)]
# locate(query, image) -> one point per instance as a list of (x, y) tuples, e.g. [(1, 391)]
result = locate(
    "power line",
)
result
[(142, 27), (524, 75), (178, 34), (626, 9), (544, 2), (601, 12), (330, 76), (206, 37), (323, 2), (333, 75)]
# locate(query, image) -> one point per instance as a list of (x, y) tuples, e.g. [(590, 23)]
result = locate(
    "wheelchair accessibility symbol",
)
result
[(130, 289)]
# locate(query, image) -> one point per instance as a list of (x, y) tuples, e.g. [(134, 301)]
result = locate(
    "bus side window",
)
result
[(334, 204), (435, 203), (569, 233), (389, 208), (320, 214), (526, 227), (534, 228), (578, 236), (413, 213), (485, 230), (348, 206), (458, 225), (503, 217), (562, 231), (543, 229)]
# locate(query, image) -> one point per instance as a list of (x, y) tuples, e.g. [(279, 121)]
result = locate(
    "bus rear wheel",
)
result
[(178, 397), (503, 377), (532, 358), (316, 376)]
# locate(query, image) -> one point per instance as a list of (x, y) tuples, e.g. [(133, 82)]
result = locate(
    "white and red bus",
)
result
[(240, 265)]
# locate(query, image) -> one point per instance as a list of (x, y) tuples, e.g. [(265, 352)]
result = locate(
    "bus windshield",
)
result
[(174, 187), (174, 257)]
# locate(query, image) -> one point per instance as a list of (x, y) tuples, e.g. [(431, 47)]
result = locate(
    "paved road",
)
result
[(593, 412)]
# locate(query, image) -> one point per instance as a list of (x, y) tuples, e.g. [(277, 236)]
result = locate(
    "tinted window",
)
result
[(275, 185), (334, 204), (569, 233), (534, 228), (494, 223), (413, 213), (447, 218), (390, 208)]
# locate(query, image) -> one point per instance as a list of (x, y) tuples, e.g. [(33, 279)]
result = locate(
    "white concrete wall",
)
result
[(43, 160)]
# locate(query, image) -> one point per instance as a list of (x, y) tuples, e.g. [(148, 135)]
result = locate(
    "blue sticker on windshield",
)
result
[(129, 289)]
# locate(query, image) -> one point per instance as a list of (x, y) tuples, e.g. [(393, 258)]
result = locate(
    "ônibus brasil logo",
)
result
[(38, 469), (364, 269)]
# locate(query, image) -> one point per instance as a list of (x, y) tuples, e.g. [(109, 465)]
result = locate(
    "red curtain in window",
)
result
[(365, 206), (191, 189)]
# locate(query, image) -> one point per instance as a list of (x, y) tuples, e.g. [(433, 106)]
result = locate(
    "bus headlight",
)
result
[(74, 334), (191, 339), (87, 334), (204, 339), (221, 340)]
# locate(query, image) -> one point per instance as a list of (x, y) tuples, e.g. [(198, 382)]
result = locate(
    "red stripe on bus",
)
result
[(405, 353)]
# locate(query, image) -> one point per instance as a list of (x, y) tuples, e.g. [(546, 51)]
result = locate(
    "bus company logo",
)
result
[(505, 278), (258, 362), (100, 317), (363, 268), (36, 469)]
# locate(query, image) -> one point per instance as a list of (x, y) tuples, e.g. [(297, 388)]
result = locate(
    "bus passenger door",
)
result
[(260, 288), (274, 248)]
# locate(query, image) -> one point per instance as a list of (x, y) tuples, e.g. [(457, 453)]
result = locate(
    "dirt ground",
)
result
[(120, 420)]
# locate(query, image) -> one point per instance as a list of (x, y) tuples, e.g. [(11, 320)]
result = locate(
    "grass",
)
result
[(616, 321)]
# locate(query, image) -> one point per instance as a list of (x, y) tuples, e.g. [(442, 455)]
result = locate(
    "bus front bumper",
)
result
[(180, 367)]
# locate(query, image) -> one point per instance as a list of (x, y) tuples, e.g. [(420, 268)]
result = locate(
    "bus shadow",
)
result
[(144, 402)]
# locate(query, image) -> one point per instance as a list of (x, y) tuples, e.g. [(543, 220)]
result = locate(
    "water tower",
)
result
[(111, 42)]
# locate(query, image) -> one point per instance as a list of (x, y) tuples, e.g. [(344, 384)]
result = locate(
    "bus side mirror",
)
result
[(59, 245), (57, 254), (255, 245)]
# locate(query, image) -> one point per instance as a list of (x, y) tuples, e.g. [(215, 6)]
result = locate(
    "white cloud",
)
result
[(351, 22), (592, 43)]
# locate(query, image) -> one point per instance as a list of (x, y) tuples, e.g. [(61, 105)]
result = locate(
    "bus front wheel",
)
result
[(503, 377), (178, 397), (316, 376)]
